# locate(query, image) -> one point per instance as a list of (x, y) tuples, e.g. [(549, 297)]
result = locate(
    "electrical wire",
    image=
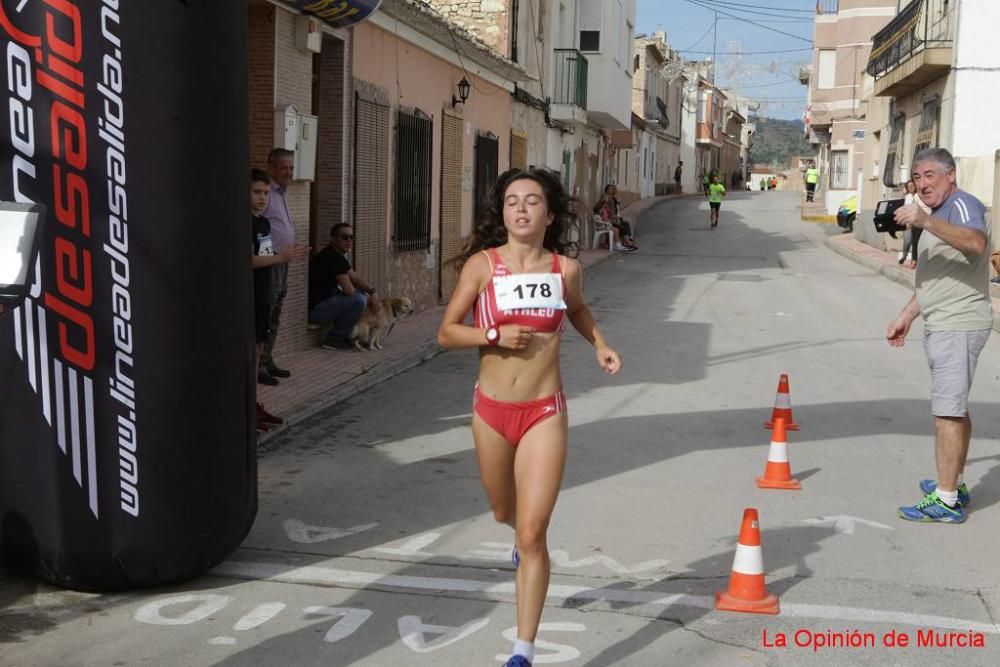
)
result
[(712, 25), (752, 53), (696, 3), (534, 40), (757, 13), (741, 5)]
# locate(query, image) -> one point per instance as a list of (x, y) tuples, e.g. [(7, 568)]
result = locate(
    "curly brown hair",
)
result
[(490, 232)]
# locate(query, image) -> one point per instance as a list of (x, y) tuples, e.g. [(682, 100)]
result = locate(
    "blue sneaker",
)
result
[(930, 485), (515, 558), (932, 508), (517, 661)]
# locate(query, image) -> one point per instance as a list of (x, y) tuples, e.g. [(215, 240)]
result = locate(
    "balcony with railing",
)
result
[(569, 89), (914, 48), (827, 6)]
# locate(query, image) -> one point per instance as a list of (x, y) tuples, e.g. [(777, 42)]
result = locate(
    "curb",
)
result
[(825, 219), (897, 275), (367, 379)]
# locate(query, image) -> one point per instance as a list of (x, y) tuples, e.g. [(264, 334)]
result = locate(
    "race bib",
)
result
[(529, 290)]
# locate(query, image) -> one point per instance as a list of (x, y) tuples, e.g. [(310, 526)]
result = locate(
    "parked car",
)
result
[(847, 212)]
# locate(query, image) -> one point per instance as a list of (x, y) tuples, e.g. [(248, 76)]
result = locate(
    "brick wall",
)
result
[(260, 57)]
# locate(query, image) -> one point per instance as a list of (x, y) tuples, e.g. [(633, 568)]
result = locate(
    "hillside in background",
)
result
[(777, 141)]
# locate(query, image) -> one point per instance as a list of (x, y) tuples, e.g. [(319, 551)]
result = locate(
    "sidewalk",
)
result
[(321, 378), (887, 264)]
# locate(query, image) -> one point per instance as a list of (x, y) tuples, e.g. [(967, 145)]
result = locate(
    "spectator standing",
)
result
[(952, 295), (337, 294), (264, 259), (812, 178), (280, 166), (911, 237), (678, 174)]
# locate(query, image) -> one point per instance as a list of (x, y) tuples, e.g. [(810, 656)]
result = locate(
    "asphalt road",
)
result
[(374, 544)]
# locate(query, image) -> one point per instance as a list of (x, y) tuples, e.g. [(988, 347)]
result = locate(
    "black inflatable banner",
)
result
[(127, 453)]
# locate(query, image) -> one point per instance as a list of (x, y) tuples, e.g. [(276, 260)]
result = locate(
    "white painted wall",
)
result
[(689, 126), (976, 123), (609, 80)]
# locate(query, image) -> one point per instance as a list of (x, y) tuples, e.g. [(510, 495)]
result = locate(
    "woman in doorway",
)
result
[(521, 291)]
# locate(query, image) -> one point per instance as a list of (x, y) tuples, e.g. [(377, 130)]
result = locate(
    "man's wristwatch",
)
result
[(493, 336)]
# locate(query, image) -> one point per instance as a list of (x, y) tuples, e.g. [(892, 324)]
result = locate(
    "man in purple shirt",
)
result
[(280, 163)]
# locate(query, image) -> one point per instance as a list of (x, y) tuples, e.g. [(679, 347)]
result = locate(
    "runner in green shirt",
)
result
[(716, 191)]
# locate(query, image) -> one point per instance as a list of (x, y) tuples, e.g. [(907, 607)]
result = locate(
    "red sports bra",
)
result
[(486, 313)]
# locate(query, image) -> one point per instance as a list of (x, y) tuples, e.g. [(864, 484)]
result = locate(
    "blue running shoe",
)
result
[(932, 508), (517, 661), (515, 557), (930, 485)]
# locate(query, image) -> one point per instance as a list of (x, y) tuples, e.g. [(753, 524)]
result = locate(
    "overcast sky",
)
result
[(771, 78)]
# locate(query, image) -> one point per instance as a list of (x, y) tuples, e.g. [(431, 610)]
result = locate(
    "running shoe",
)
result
[(515, 557), (620, 248), (930, 485), (517, 661), (932, 508)]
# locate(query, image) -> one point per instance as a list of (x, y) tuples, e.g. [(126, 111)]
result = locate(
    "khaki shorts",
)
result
[(952, 357)]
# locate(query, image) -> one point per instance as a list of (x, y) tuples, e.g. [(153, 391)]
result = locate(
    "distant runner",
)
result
[(716, 191)]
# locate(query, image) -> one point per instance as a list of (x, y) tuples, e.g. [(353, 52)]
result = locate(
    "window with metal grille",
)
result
[(412, 227), (839, 178), (929, 118), (895, 147), (487, 165)]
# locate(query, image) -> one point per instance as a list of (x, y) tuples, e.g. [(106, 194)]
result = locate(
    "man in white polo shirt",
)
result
[(952, 294)]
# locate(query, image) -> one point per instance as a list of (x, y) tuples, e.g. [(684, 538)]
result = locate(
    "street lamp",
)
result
[(463, 92), (20, 230)]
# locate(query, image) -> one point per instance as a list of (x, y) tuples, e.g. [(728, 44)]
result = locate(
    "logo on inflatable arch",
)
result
[(64, 146), (339, 13)]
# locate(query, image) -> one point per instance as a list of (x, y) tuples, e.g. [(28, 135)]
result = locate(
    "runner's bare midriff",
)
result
[(521, 375)]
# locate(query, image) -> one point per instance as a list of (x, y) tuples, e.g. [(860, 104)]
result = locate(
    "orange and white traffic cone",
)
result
[(778, 473), (783, 405), (747, 590)]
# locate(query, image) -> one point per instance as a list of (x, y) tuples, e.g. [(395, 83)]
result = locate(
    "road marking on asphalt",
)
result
[(413, 631), (303, 533), (500, 551), (325, 576), (843, 523), (412, 547)]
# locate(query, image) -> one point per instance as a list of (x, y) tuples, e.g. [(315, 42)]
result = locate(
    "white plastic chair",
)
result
[(600, 228)]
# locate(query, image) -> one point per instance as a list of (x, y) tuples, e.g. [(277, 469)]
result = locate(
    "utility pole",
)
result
[(715, 34)]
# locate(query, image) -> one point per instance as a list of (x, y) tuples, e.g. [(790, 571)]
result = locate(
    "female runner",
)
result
[(522, 291)]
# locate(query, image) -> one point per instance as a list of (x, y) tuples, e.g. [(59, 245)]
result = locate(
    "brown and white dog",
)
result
[(377, 320)]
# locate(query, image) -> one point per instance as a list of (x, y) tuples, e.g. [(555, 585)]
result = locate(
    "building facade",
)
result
[(380, 140), (836, 104), (935, 78)]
